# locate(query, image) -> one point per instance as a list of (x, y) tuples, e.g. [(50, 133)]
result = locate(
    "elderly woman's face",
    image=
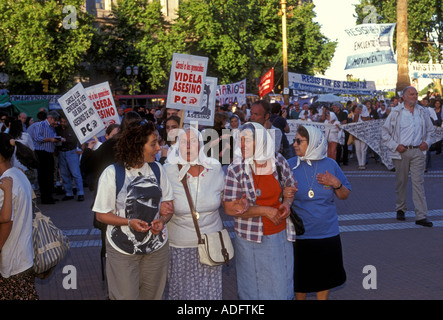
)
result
[(247, 144), (300, 145), (189, 145)]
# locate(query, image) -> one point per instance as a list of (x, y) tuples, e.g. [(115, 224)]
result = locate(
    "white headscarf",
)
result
[(264, 146), (317, 148), (175, 156)]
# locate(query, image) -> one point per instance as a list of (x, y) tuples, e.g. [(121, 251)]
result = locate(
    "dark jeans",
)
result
[(45, 174)]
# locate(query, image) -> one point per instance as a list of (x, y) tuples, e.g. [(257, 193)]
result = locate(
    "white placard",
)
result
[(205, 116), (186, 82), (81, 113)]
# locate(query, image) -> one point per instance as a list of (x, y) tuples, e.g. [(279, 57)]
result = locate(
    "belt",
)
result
[(412, 147), (66, 150)]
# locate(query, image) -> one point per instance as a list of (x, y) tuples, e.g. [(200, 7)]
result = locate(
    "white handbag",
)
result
[(214, 248)]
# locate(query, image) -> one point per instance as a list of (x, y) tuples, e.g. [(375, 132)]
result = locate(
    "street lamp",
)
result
[(132, 71)]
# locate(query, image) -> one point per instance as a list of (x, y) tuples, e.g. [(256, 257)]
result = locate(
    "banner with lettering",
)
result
[(319, 85), (266, 83), (81, 113), (186, 82), (232, 93), (371, 45), (205, 116), (426, 70), (101, 97)]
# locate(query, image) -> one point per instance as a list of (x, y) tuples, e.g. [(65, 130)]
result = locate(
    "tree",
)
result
[(242, 39), (40, 41), (138, 36), (425, 27)]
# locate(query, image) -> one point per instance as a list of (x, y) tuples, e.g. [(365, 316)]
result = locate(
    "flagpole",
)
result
[(285, 53)]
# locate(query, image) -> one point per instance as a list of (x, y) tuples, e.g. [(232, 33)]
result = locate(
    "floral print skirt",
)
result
[(188, 279), (20, 286)]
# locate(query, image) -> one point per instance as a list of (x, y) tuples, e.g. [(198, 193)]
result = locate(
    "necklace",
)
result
[(311, 192), (257, 189)]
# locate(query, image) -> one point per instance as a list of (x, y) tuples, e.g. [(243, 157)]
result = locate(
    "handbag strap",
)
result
[(191, 206)]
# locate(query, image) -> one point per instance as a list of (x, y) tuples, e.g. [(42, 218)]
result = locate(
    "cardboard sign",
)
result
[(186, 82), (80, 113), (232, 93), (205, 116)]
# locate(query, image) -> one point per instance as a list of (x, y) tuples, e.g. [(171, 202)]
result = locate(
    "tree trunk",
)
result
[(402, 45)]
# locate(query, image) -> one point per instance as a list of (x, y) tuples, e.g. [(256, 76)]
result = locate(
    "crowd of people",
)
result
[(139, 171)]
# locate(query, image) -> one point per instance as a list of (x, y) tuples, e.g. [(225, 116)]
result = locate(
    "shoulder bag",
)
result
[(213, 248), (50, 244)]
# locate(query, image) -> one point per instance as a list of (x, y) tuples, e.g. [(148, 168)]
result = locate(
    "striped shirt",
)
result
[(44, 130), (237, 183)]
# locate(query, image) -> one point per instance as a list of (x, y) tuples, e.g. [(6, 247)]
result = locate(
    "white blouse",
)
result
[(205, 192)]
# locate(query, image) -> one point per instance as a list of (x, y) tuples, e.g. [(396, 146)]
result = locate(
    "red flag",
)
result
[(266, 83)]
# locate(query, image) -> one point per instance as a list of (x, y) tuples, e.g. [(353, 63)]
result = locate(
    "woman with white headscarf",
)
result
[(188, 279), (254, 195), (318, 261)]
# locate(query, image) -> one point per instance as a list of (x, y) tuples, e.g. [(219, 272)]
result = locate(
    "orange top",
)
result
[(270, 194)]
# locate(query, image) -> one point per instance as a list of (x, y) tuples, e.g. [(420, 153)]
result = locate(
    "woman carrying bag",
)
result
[(16, 247), (188, 278)]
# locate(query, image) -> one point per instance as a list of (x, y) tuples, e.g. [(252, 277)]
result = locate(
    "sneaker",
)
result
[(81, 197)]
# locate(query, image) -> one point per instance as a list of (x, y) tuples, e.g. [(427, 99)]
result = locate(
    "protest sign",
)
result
[(266, 83), (186, 82), (309, 83), (232, 93), (205, 116), (371, 45), (80, 113), (426, 70), (101, 97)]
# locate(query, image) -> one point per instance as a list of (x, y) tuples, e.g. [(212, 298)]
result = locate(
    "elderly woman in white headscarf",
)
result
[(188, 279), (318, 257), (259, 189)]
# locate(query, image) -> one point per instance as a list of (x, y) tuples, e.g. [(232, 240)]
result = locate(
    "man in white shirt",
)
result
[(407, 134)]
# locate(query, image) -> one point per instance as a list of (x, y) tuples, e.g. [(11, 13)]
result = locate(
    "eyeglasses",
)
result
[(298, 141)]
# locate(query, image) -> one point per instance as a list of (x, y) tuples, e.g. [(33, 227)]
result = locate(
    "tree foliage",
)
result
[(243, 39), (36, 45), (139, 36)]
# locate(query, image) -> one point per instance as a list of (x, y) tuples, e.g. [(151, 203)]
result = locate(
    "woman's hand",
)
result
[(241, 205), (139, 225), (328, 179), (284, 210), (157, 226)]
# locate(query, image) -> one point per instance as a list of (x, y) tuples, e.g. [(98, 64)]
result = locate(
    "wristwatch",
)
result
[(341, 185)]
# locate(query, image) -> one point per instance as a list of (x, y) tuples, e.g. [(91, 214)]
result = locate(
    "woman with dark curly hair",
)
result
[(136, 239)]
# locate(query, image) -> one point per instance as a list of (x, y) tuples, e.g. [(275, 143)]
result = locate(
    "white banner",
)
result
[(232, 93), (309, 83), (371, 45), (81, 114), (205, 116), (370, 133), (426, 70), (101, 97), (186, 82)]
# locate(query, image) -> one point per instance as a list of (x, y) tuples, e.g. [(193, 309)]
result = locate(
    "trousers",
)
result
[(69, 164), (412, 161), (45, 174)]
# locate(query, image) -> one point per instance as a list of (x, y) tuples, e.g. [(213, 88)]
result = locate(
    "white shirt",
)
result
[(411, 127), (205, 192), (135, 200), (17, 252)]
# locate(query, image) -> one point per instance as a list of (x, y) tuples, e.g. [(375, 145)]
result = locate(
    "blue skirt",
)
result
[(265, 270)]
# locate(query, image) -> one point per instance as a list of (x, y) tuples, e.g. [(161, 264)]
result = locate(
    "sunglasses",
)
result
[(298, 141)]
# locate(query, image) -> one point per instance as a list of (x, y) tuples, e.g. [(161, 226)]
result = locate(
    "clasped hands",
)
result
[(156, 226)]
